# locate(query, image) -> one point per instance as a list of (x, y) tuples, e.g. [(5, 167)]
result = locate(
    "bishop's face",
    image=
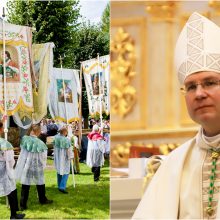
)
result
[(203, 99)]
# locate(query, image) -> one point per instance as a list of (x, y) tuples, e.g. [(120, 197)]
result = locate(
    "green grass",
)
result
[(87, 200)]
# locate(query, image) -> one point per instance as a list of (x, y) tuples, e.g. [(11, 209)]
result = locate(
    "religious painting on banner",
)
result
[(64, 91), (64, 83), (95, 83), (11, 64), (96, 74), (18, 71)]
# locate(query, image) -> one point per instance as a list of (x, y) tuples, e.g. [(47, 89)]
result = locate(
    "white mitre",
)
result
[(198, 47)]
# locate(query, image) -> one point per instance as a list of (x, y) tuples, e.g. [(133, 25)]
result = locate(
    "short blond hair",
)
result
[(95, 127), (63, 130), (35, 129)]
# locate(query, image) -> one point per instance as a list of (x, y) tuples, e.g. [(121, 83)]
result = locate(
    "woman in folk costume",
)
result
[(186, 185), (95, 151), (62, 158), (30, 166), (7, 181)]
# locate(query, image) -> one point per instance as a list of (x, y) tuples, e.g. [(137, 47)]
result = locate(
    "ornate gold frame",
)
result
[(125, 23)]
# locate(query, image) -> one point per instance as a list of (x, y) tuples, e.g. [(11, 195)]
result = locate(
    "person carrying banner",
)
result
[(95, 151), (30, 166), (62, 158), (7, 180)]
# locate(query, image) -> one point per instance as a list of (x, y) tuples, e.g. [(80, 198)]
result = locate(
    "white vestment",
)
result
[(175, 191), (7, 180)]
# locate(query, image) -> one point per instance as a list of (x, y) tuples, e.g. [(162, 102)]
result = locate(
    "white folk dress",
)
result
[(31, 162), (63, 154), (7, 181), (95, 150)]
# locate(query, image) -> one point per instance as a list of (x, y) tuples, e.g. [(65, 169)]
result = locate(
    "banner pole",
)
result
[(74, 184), (100, 96), (80, 106), (4, 84), (4, 76)]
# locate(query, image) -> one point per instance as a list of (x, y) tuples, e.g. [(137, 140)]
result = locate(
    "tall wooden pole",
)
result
[(100, 95), (80, 106), (4, 77)]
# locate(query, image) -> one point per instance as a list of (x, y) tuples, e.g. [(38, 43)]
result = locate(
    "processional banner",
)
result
[(18, 69), (96, 74), (43, 66), (63, 94)]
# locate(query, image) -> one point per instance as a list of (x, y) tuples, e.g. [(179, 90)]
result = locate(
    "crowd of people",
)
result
[(29, 169)]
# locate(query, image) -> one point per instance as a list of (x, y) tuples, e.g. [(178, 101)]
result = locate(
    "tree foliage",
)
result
[(105, 22), (89, 42)]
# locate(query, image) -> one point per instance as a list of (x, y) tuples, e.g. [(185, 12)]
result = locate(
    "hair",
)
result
[(63, 130), (8, 54), (95, 127), (1, 124), (35, 128)]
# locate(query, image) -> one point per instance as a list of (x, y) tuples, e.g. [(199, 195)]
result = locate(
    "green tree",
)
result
[(105, 25), (89, 43), (19, 12), (105, 22)]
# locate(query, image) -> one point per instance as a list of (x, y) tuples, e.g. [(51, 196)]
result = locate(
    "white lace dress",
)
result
[(7, 181), (63, 154), (95, 153), (31, 162)]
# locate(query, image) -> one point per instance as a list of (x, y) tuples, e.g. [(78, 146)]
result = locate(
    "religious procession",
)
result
[(54, 111)]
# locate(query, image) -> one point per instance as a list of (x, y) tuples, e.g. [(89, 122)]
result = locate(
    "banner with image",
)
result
[(43, 66), (63, 94), (96, 74), (18, 70)]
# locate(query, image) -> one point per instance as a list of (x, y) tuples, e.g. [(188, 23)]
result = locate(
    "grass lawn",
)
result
[(87, 200)]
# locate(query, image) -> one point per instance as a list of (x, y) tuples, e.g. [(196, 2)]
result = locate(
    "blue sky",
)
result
[(91, 9)]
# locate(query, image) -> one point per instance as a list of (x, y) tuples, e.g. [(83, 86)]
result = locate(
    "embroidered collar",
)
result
[(208, 143)]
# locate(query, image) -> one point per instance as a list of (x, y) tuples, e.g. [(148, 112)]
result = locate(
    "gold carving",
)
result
[(123, 95), (162, 10), (152, 166), (215, 5), (165, 149), (120, 155), (215, 155)]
